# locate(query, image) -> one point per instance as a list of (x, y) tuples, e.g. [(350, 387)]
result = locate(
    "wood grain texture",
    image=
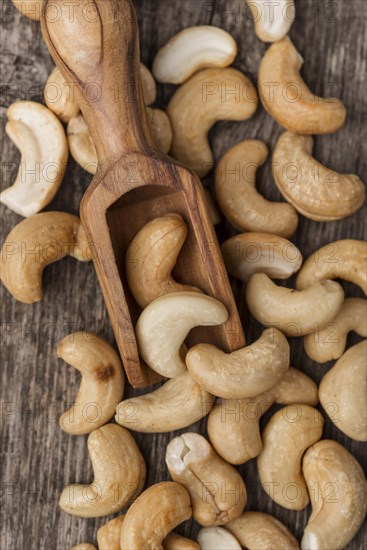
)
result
[(37, 458)]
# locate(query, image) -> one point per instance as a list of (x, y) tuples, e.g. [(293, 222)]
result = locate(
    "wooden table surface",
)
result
[(37, 458)]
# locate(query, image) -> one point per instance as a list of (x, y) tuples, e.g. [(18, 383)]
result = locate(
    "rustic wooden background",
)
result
[(37, 458)]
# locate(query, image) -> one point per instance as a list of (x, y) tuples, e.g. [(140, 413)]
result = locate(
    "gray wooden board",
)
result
[(37, 458)]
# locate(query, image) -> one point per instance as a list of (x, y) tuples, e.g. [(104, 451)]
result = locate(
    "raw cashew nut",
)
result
[(165, 323), (345, 259), (154, 515), (161, 129), (272, 20), (84, 546), (30, 8), (337, 514), (314, 190), (207, 97), (177, 404), (217, 538), (330, 342), (193, 49), (286, 437), (243, 373), (149, 85), (102, 382), (176, 542), (343, 392), (35, 243), (119, 475), (286, 97), (233, 424), (255, 530), (238, 198), (251, 253), (151, 257), (295, 313), (59, 96), (40, 137), (217, 491)]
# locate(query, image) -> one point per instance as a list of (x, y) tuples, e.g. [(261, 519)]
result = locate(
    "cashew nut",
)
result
[(343, 392), (217, 491), (243, 373), (233, 424), (119, 475), (161, 129), (84, 546), (35, 243), (272, 20), (251, 253), (154, 515), (108, 536), (102, 383), (165, 323), (338, 512), (314, 190), (149, 85), (151, 257), (176, 542), (177, 404), (238, 198), (217, 538), (345, 259), (330, 342), (295, 313), (286, 437), (207, 97), (286, 97), (193, 49), (30, 8), (40, 137), (59, 96), (213, 208)]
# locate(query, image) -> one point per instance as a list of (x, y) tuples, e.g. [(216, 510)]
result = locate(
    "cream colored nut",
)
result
[(330, 342), (50, 236), (286, 97), (286, 437), (177, 404), (30, 8), (149, 85), (217, 491), (193, 49), (102, 384), (176, 542), (251, 253), (243, 373), (238, 198), (314, 190), (345, 259), (272, 20), (151, 257), (161, 129), (154, 515), (295, 313), (40, 137), (213, 208), (81, 145), (340, 503), (85, 546), (165, 323), (233, 424), (119, 475), (108, 536), (217, 538), (343, 392), (207, 97), (255, 530), (59, 96)]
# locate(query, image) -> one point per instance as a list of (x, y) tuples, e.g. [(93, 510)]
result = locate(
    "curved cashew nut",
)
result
[(243, 373), (108, 536), (334, 521), (314, 190), (193, 49), (151, 257), (176, 542), (192, 461), (345, 259), (213, 208), (117, 464), (102, 383), (59, 96), (286, 97), (30, 8), (84, 546), (238, 198), (251, 253), (165, 323), (295, 313), (154, 515), (177, 404), (197, 105), (40, 137), (330, 342), (149, 85), (343, 392), (50, 236), (272, 21), (233, 424), (217, 538), (286, 437), (161, 129)]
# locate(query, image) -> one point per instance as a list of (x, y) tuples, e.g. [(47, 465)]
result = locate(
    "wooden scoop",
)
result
[(95, 44)]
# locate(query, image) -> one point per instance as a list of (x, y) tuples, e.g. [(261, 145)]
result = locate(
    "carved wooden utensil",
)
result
[(96, 47)]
